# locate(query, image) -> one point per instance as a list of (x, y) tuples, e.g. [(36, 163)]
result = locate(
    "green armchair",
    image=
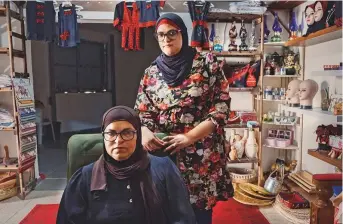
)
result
[(83, 149)]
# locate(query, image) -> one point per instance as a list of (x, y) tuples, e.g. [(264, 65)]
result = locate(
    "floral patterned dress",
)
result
[(202, 96)]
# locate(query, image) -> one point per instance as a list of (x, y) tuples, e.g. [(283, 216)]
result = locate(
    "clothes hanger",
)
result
[(199, 3)]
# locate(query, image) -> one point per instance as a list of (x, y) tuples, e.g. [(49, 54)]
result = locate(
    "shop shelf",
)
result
[(323, 156), (337, 73), (321, 36), (291, 147)]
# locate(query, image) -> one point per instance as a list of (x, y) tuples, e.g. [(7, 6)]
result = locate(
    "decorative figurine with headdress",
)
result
[(309, 15), (277, 30)]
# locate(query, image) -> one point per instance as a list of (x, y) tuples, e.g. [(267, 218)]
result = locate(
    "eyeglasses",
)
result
[(126, 135), (171, 35)]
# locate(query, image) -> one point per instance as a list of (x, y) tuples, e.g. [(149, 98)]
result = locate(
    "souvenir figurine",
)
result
[(275, 63), (217, 41), (233, 34), (290, 63), (212, 36), (243, 34), (277, 30), (309, 15), (252, 37), (308, 89), (266, 31), (293, 27), (268, 67)]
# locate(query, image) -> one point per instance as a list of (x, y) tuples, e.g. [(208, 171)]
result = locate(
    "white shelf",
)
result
[(315, 111), (279, 101), (281, 76), (337, 73), (272, 123), (291, 147), (275, 44)]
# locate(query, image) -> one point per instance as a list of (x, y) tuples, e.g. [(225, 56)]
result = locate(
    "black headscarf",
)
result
[(136, 167), (176, 68)]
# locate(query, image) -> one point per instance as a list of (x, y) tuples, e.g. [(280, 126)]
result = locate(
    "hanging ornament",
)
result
[(277, 30), (293, 27), (233, 34), (252, 37), (243, 34)]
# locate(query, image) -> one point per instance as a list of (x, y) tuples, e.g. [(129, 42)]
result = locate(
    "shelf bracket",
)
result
[(281, 22)]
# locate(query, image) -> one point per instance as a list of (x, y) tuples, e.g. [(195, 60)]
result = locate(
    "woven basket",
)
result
[(242, 175), (8, 189)]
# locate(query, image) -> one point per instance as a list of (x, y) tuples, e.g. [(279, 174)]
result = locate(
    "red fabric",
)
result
[(328, 177), (223, 213), (234, 212), (167, 21), (42, 214)]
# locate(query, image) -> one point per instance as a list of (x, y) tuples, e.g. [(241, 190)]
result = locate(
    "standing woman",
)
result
[(183, 93)]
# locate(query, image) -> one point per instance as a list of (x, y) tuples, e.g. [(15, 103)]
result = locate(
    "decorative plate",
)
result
[(244, 199), (255, 190)]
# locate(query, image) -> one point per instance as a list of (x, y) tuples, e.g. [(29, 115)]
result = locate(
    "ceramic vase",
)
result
[(251, 146)]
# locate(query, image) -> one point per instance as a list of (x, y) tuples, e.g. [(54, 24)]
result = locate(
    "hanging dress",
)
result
[(68, 27), (126, 20), (149, 12), (200, 30), (40, 20)]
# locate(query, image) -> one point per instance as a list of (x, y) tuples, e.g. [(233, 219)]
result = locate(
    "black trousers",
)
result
[(203, 216)]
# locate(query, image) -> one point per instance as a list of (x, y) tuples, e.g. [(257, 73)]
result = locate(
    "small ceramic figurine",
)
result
[(293, 27), (292, 95), (252, 37), (233, 34), (290, 63), (233, 153), (243, 34), (308, 89), (266, 31), (309, 15), (239, 146), (277, 30), (217, 44)]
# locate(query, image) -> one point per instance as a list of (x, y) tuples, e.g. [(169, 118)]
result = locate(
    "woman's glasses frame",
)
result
[(130, 134), (171, 35)]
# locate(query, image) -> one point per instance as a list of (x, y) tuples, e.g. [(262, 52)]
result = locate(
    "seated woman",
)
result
[(126, 185)]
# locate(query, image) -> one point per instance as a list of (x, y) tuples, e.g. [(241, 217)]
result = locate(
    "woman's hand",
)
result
[(149, 141), (177, 142)]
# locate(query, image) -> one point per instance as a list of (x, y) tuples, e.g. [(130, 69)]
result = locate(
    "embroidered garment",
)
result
[(200, 30), (68, 27), (149, 12), (203, 95), (40, 20), (126, 20)]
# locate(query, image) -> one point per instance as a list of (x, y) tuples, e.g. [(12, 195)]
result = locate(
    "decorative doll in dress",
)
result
[(243, 34), (233, 34), (277, 30)]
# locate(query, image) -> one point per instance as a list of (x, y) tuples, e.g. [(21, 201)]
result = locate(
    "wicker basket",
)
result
[(242, 175), (8, 189)]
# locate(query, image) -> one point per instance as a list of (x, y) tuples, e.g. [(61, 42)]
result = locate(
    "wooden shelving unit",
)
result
[(25, 161), (243, 160), (281, 76), (321, 36), (291, 147), (323, 156), (243, 89)]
